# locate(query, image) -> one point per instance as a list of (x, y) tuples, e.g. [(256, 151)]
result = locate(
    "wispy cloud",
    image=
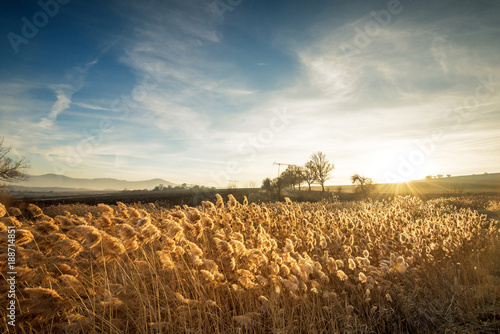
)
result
[(64, 92), (63, 102), (90, 106)]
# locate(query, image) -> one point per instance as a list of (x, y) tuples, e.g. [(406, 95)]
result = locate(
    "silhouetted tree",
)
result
[(298, 173), (11, 170), (267, 185), (278, 183), (364, 185), (323, 168), (287, 177), (293, 175), (310, 175), (159, 187)]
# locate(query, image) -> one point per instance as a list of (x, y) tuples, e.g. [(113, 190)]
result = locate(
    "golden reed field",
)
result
[(398, 266)]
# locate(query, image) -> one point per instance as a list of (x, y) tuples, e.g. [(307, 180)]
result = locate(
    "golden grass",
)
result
[(392, 266)]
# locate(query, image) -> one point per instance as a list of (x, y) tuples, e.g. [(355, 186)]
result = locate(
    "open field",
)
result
[(424, 189), (456, 185), (191, 197), (468, 183), (402, 265), (452, 185)]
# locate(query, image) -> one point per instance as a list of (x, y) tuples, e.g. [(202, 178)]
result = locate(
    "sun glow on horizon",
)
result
[(398, 165)]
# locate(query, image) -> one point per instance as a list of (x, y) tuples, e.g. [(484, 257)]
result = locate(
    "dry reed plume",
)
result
[(392, 266)]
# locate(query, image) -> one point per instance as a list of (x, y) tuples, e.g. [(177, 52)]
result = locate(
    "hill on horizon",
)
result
[(489, 182), (61, 181)]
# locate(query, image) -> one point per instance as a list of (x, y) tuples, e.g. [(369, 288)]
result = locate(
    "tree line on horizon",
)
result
[(316, 170)]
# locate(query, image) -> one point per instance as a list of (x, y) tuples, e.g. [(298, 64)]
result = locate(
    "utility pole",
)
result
[(279, 166)]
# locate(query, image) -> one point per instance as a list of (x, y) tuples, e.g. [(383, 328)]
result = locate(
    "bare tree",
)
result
[(288, 177), (293, 175), (298, 173), (458, 189), (323, 168), (364, 185), (278, 183), (11, 170), (310, 175)]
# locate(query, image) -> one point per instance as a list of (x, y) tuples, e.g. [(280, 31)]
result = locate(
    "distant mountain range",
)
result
[(56, 182)]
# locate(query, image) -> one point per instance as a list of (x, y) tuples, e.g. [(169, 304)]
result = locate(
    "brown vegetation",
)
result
[(391, 266)]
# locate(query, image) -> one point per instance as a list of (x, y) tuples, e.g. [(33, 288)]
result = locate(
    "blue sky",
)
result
[(205, 92)]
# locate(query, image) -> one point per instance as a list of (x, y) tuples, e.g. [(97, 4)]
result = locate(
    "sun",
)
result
[(398, 165)]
